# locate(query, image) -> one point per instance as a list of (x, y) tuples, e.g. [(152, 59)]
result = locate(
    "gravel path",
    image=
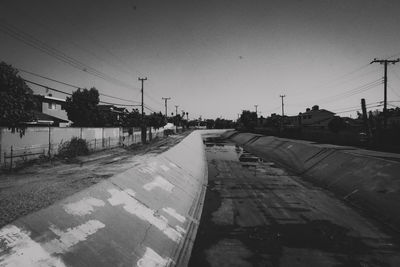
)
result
[(41, 184)]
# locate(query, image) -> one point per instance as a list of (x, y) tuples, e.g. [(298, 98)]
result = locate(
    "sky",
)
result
[(213, 58)]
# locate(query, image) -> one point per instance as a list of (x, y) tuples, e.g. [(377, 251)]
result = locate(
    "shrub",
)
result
[(74, 147)]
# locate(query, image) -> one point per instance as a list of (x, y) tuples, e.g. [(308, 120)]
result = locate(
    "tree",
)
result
[(248, 119), (210, 123), (156, 120), (223, 124), (82, 107), (17, 102), (132, 119)]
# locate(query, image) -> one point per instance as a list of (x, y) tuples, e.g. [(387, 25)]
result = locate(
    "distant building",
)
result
[(114, 114), (314, 117), (50, 111)]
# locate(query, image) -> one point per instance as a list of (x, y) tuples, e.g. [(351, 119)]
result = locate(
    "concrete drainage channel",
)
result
[(257, 213), (366, 179), (145, 216)]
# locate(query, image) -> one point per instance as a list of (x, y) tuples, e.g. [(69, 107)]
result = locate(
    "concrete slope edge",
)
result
[(145, 216), (370, 183)]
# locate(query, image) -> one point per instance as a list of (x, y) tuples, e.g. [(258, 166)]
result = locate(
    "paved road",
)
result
[(257, 214)]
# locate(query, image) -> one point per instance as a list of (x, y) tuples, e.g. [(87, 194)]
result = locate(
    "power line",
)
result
[(355, 107), (66, 93), (340, 82), (73, 86), (56, 33), (55, 53), (332, 81), (351, 92), (394, 91), (50, 79), (358, 109)]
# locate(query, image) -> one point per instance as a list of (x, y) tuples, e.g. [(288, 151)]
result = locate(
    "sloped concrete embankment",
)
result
[(145, 216), (368, 182)]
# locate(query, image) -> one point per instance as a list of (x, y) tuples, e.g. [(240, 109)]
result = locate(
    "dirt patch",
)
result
[(39, 185)]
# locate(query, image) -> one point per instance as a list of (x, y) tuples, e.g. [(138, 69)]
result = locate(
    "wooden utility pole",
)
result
[(283, 110), (166, 106), (256, 109), (365, 119), (143, 128), (385, 63), (176, 118), (176, 110)]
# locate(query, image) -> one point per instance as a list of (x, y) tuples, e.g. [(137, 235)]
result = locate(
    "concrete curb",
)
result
[(145, 216), (368, 182)]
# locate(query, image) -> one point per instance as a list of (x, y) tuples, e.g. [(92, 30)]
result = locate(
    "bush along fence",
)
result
[(45, 141)]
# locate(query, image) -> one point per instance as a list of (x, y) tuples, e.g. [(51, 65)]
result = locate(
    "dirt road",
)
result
[(40, 185), (258, 214)]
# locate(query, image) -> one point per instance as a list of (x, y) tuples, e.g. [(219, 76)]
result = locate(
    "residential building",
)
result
[(314, 117), (50, 111)]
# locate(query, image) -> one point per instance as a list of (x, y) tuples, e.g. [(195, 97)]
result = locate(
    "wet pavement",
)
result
[(258, 214)]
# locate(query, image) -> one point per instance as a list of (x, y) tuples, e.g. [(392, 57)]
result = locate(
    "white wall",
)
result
[(37, 140)]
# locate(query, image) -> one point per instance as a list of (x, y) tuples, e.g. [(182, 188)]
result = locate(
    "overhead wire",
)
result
[(355, 107), (67, 93), (345, 111), (73, 86), (338, 78), (351, 92), (393, 90), (89, 52), (56, 33), (55, 53)]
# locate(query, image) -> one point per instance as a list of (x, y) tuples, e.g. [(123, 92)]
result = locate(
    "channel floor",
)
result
[(258, 214)]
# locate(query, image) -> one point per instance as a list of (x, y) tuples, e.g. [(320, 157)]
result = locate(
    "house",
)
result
[(113, 115), (50, 111), (42, 119), (314, 117)]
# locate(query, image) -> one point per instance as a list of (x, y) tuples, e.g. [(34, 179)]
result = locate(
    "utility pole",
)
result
[(166, 106), (176, 118), (176, 110), (385, 63), (365, 119), (143, 134), (283, 110), (256, 108)]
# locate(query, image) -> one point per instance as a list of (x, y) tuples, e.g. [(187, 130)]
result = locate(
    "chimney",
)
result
[(315, 107)]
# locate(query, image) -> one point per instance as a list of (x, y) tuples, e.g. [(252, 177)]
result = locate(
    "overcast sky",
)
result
[(213, 58)]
